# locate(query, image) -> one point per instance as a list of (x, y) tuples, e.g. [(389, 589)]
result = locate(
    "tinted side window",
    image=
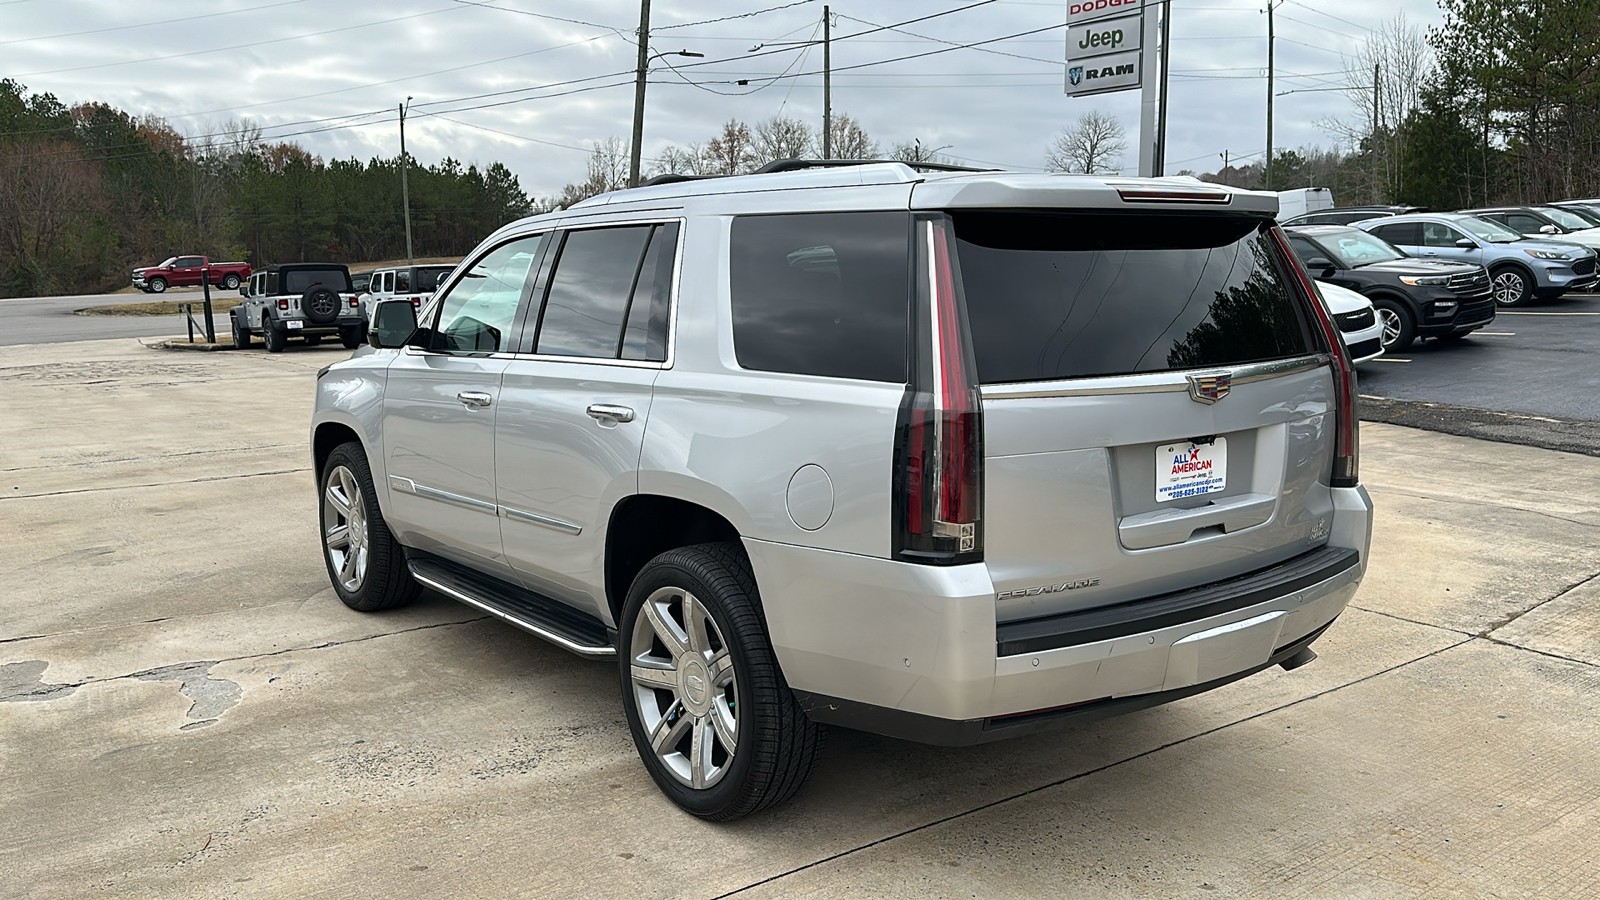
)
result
[(587, 303), (1403, 234), (477, 315), (1524, 223), (1053, 296), (402, 281), (822, 294), (645, 336), (272, 283), (1306, 250)]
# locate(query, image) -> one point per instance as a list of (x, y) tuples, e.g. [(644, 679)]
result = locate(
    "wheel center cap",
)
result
[(694, 682)]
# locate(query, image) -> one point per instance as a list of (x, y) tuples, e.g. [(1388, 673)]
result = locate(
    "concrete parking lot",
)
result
[(187, 710)]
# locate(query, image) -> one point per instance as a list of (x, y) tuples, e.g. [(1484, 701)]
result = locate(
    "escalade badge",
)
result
[(1209, 388)]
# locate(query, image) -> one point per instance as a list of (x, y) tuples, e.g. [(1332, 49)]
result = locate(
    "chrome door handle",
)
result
[(609, 411), (475, 398)]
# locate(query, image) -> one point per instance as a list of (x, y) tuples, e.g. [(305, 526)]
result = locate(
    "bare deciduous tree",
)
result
[(1092, 146), (1384, 80), (914, 152), (608, 171), (781, 137), (850, 140), (730, 153)]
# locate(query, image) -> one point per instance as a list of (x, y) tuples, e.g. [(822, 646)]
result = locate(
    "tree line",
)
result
[(88, 191)]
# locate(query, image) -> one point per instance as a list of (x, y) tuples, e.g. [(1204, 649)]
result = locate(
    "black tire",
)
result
[(1399, 328), (1505, 282), (273, 337), (384, 581), (231, 282), (320, 304), (313, 339), (775, 744), (351, 337), (158, 285), (241, 334)]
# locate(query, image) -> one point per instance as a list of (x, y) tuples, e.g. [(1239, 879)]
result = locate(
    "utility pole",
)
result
[(1377, 126), (638, 93), (405, 190), (1224, 163), (1270, 42), (827, 84)]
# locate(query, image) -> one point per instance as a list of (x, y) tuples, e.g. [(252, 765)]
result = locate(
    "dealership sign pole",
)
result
[(1111, 47)]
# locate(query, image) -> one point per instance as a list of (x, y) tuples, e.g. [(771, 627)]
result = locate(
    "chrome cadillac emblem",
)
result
[(695, 687), (1209, 388)]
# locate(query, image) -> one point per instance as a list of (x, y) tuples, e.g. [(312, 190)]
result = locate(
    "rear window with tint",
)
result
[(1057, 295), (298, 281), (822, 294)]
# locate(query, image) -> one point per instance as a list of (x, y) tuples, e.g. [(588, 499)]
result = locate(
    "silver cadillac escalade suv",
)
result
[(945, 455)]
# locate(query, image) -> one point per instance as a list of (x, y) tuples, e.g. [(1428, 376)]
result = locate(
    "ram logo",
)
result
[(1075, 75)]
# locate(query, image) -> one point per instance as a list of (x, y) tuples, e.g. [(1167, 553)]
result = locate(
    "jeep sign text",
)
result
[(1104, 36)]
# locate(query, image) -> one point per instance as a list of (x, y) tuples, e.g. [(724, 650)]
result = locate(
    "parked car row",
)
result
[(316, 300)]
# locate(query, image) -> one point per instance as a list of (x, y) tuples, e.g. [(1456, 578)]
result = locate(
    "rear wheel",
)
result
[(1398, 329), (1512, 286), (365, 563), (712, 718), (231, 282), (273, 338)]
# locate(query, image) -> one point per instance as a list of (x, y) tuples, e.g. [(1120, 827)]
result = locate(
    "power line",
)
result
[(744, 15), (252, 44), (228, 12)]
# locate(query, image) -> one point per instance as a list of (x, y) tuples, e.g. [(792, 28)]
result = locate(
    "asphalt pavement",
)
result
[(1530, 377), (46, 320)]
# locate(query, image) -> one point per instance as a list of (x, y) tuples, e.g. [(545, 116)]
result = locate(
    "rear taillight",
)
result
[(354, 301), (1347, 445), (283, 304), (939, 437)]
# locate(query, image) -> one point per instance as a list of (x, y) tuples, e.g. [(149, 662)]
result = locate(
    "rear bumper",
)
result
[(914, 652)]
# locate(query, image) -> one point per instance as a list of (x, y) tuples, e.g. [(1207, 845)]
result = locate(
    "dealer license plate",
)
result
[(293, 324), (1187, 469)]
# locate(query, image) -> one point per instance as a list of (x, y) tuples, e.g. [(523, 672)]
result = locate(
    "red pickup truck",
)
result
[(180, 271)]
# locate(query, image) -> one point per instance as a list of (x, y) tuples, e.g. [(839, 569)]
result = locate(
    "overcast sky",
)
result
[(328, 74)]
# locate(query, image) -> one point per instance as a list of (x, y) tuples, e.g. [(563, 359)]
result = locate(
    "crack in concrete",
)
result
[(1479, 501), (129, 487), (1085, 774), (84, 464), (24, 682), (1517, 615), (1399, 618), (209, 697)]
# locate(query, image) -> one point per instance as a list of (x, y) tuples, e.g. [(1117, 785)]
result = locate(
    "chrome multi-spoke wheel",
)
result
[(684, 687), (344, 517), (365, 562), (1392, 326), (1510, 288), (714, 721)]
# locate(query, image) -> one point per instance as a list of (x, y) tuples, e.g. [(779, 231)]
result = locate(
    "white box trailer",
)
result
[(1300, 201)]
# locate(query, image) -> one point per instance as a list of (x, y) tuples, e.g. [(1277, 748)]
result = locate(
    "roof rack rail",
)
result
[(793, 165), (674, 178)]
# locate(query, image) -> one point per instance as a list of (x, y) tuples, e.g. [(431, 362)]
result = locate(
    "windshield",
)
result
[(167, 262), (1588, 215), (1356, 248), (1485, 230), (1563, 218)]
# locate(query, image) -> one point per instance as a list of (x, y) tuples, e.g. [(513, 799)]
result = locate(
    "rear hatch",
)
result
[(1157, 411)]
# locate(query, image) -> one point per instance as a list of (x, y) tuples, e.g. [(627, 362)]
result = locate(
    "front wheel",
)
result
[(241, 334), (1512, 286), (365, 563), (351, 337), (1398, 329), (231, 282), (158, 285), (714, 721), (313, 339)]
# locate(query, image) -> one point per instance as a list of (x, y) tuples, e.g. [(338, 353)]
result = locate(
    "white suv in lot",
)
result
[(944, 455)]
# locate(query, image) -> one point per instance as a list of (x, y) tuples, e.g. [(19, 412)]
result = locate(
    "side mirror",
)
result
[(1467, 244), (393, 323), (1549, 229), (244, 289), (1321, 264)]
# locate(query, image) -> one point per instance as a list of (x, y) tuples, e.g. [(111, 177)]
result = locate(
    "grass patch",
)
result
[(158, 308)]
